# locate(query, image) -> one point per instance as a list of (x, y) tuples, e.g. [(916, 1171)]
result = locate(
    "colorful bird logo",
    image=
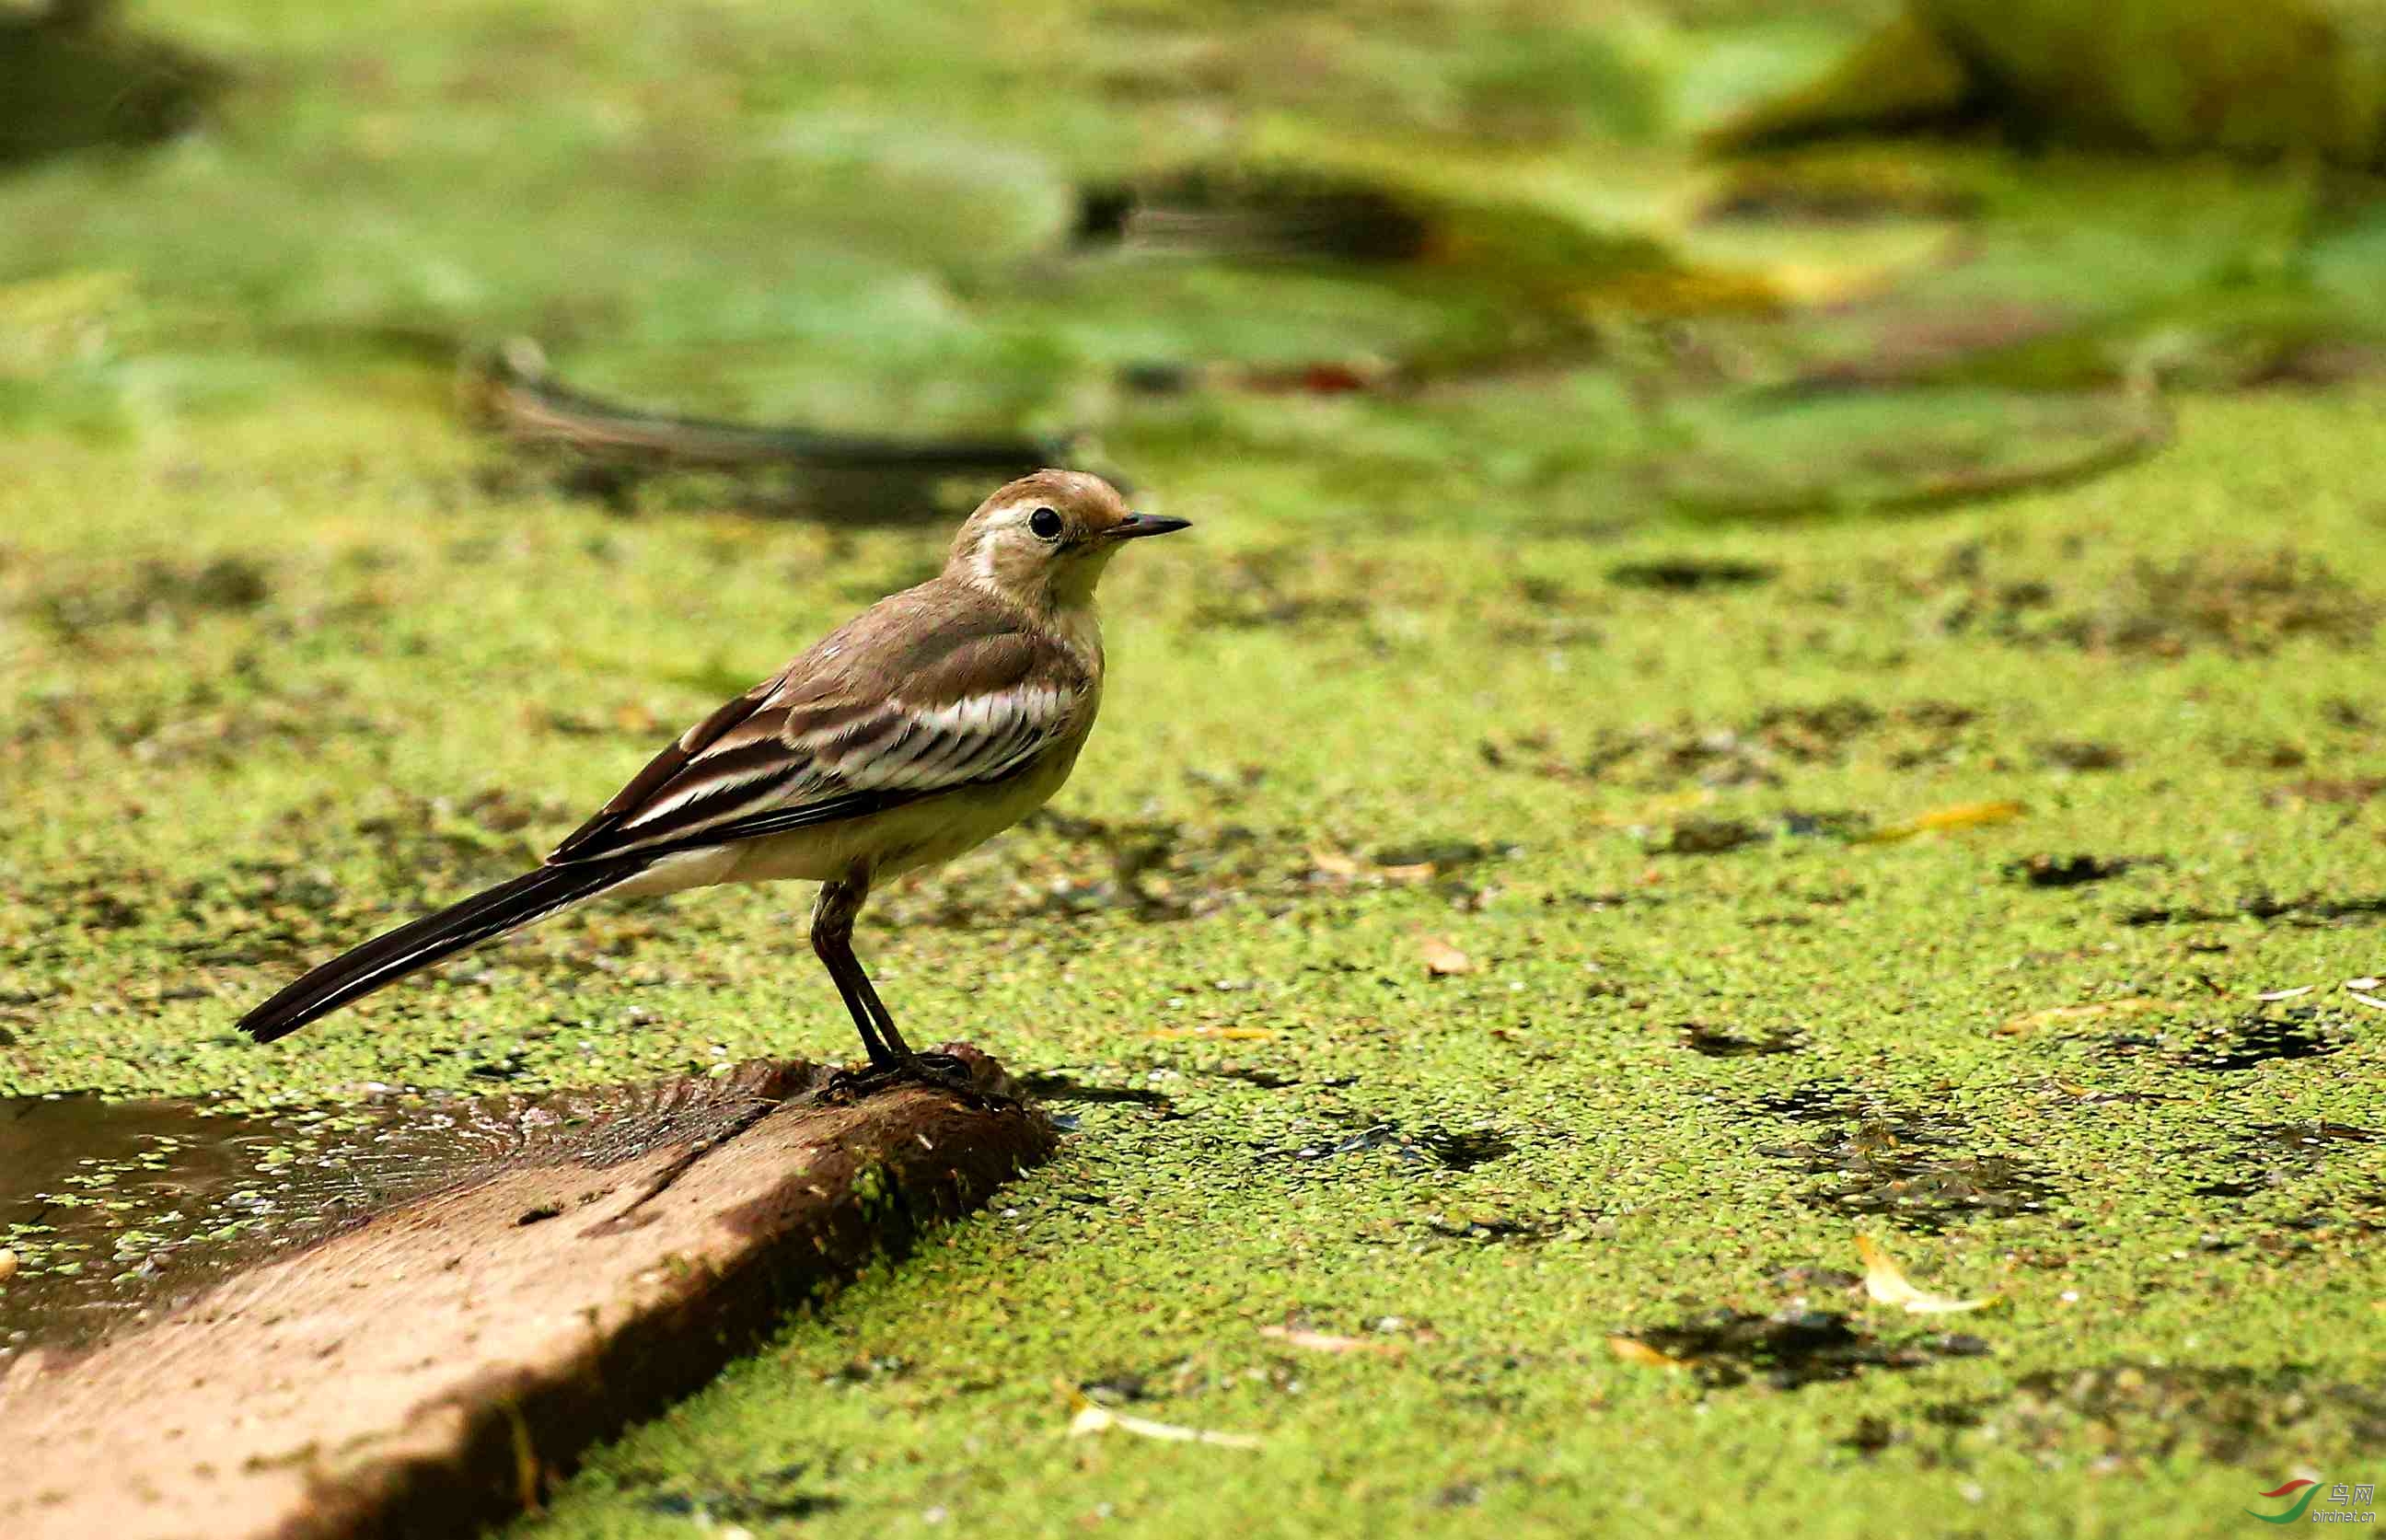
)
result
[(2292, 1514)]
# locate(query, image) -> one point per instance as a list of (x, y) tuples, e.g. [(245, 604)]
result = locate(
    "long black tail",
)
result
[(419, 944)]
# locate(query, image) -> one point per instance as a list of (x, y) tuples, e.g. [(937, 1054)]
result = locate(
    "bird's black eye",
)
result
[(1044, 524)]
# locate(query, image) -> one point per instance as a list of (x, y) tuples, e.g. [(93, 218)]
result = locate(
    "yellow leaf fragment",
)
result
[(1888, 1284), (1633, 1350), (1341, 866), (1442, 959), (1962, 815), (1326, 1342), (1333, 862), (1091, 1419)]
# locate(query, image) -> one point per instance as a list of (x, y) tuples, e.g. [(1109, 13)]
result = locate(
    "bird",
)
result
[(932, 721)]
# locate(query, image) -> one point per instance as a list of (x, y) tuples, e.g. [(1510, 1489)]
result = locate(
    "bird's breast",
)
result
[(1079, 629)]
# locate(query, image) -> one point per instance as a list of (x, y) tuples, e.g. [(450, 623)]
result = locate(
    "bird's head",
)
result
[(1043, 540)]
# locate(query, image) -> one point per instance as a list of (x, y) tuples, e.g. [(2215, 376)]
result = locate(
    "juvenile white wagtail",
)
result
[(932, 722)]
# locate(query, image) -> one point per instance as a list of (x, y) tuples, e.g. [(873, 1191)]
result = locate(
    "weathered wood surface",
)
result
[(436, 1364)]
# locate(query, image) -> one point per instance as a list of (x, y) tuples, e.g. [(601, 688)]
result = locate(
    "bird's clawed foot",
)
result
[(943, 1071)]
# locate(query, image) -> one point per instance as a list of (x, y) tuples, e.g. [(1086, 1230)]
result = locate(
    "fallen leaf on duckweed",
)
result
[(1633, 1350), (2133, 1006), (1887, 1284), (1333, 863), (1962, 815), (1441, 958), (1092, 1418), (1341, 868), (1326, 1342)]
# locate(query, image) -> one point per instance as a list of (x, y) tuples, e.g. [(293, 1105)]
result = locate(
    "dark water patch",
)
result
[(116, 1208), (1053, 1087), (1956, 1414), (1708, 837), (1805, 1278), (1690, 574), (1911, 1171), (1462, 1149), (1441, 855), (2068, 872), (2311, 911), (1433, 1145), (1271, 1080), (1828, 823), (1758, 750), (785, 1495), (1820, 1102), (2349, 791), (1721, 1043), (2236, 1414), (1233, 214), (100, 1202), (2263, 1038), (2079, 754), (1598, 900), (148, 593), (2269, 754), (1870, 1436), (2270, 1157), (1504, 1229), (2239, 602), (1790, 1349), (1266, 1080), (2317, 1138)]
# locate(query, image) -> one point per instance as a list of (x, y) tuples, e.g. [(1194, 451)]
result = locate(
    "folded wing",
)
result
[(814, 745)]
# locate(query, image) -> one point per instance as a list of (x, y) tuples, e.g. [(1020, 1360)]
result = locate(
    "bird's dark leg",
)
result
[(885, 1018), (833, 916), (890, 1058)]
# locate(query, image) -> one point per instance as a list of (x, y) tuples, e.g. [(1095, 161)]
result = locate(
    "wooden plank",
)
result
[(435, 1365)]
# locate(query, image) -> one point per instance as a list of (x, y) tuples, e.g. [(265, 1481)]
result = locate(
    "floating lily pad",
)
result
[(70, 79), (1808, 453), (2300, 76)]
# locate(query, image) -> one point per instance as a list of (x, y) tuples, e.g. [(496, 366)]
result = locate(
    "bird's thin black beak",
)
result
[(1136, 525)]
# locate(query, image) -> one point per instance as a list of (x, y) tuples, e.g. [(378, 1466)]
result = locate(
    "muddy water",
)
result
[(114, 1210), (106, 1204)]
